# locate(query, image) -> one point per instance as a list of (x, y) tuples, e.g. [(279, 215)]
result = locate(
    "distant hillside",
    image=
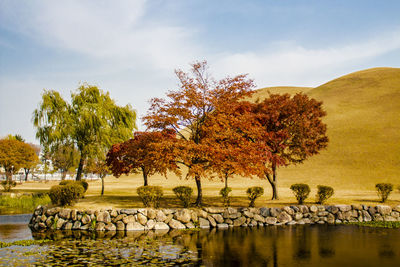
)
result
[(363, 127)]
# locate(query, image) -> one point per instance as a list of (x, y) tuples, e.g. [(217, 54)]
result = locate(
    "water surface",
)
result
[(298, 245)]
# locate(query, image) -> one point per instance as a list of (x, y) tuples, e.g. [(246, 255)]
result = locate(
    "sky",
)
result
[(131, 48)]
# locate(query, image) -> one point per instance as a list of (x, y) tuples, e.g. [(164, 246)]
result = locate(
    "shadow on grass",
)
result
[(173, 202), (376, 201)]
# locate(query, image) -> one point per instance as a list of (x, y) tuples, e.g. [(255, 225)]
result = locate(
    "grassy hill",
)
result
[(363, 127)]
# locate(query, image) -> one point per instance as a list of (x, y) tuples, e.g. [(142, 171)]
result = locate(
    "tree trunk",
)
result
[(8, 175), (144, 176), (63, 175), (273, 182), (26, 174), (226, 180), (80, 168), (102, 185), (199, 200)]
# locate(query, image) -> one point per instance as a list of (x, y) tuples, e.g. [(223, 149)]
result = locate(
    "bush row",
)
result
[(151, 195), (301, 192)]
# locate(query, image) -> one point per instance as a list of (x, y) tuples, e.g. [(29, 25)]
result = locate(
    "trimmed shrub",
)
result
[(65, 182), (184, 194), (7, 185), (224, 192), (66, 194), (253, 193), (324, 192), (83, 183), (301, 192), (150, 195), (384, 190)]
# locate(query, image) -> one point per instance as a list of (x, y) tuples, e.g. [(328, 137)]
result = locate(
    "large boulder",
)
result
[(120, 226), (204, 223), (64, 213), (174, 224), (142, 219), (183, 216), (160, 226), (239, 221), (160, 216), (110, 227), (384, 210), (284, 217), (218, 218), (134, 226), (103, 216)]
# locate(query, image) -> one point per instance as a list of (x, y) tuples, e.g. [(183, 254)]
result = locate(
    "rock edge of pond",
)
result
[(44, 218)]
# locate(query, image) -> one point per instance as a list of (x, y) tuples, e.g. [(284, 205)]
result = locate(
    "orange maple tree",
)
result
[(230, 132), (15, 155), (186, 111), (147, 153)]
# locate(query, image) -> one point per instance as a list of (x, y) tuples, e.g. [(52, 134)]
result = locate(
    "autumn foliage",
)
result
[(147, 152), (15, 155), (217, 133), (291, 128), (187, 110)]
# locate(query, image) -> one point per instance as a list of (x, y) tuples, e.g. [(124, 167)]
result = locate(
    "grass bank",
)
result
[(376, 224), (23, 204)]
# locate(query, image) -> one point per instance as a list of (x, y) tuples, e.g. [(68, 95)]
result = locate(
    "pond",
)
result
[(298, 245)]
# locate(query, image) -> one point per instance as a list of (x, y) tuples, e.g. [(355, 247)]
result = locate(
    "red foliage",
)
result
[(145, 153)]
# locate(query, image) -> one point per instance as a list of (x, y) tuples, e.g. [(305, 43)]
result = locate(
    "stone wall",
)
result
[(211, 217)]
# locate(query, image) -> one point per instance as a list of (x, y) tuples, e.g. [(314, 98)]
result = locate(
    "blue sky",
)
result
[(131, 48)]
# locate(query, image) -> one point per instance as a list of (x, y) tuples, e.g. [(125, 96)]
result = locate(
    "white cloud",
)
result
[(134, 56), (295, 65), (113, 31)]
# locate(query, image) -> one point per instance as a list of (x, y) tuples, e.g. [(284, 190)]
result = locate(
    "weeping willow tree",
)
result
[(91, 122)]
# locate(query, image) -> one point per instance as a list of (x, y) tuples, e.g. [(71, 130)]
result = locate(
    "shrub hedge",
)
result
[(66, 194), (301, 192), (184, 194), (150, 195), (324, 193), (253, 193)]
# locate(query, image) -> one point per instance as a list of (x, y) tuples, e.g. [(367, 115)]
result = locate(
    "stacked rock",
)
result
[(210, 217)]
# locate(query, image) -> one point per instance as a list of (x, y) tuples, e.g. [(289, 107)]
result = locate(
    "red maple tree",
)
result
[(147, 153), (290, 130)]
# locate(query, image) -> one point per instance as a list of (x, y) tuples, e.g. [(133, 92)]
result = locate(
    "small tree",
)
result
[(253, 193), (184, 194), (99, 167), (29, 164), (65, 158), (14, 155), (384, 190), (144, 153), (224, 192), (324, 193), (301, 191)]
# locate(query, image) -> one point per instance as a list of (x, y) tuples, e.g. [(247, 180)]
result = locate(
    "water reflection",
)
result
[(305, 245)]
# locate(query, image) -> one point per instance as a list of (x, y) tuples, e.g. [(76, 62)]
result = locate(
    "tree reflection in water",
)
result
[(308, 245)]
